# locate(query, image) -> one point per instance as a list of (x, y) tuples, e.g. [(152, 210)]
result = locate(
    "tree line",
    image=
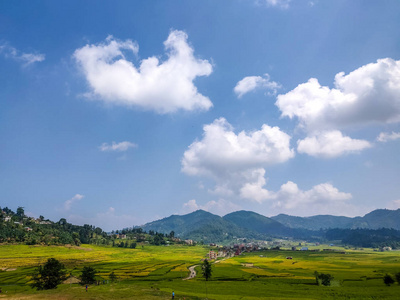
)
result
[(16, 227)]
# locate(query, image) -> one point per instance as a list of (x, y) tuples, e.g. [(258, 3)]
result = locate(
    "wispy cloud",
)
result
[(386, 136), (275, 3), (119, 147), (251, 83), (69, 202), (26, 59)]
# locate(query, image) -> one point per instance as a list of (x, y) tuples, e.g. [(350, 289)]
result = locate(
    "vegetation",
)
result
[(153, 272), (324, 279), (113, 277), (206, 269), (49, 276), (88, 275), (19, 228), (388, 280)]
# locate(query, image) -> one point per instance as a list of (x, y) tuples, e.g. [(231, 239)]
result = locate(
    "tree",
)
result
[(388, 280), (324, 279), (88, 275), (48, 276), (206, 269), (112, 276), (20, 212), (397, 276)]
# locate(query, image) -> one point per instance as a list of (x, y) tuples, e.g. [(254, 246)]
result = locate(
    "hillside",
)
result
[(315, 222), (255, 222), (199, 225), (380, 218)]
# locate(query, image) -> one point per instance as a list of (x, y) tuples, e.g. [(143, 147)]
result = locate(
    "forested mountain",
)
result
[(200, 225), (256, 222), (314, 222), (380, 218)]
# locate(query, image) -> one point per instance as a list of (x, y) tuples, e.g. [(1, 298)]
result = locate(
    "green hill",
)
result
[(199, 225), (255, 222), (380, 218)]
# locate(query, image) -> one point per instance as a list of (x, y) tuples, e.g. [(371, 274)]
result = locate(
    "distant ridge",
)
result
[(204, 226), (380, 218)]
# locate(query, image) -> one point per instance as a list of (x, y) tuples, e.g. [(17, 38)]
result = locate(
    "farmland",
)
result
[(153, 272)]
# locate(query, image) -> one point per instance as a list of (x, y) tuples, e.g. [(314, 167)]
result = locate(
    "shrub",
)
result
[(324, 279), (388, 280)]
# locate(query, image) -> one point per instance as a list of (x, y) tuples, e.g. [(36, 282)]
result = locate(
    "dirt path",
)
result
[(192, 273)]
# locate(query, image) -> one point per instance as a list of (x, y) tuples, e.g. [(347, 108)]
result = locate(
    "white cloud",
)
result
[(231, 159), (369, 94), (120, 147), (251, 83), (277, 3), (330, 144), (164, 87), (321, 198), (386, 136), (25, 58), (69, 202), (222, 151), (254, 190), (220, 207)]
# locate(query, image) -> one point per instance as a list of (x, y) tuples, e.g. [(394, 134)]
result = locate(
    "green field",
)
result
[(153, 272)]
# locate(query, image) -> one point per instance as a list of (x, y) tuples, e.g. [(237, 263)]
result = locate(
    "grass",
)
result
[(154, 272)]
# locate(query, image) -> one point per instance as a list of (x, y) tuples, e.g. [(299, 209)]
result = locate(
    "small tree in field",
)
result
[(88, 275), (324, 279), (388, 280), (112, 276), (397, 276), (48, 276), (206, 270)]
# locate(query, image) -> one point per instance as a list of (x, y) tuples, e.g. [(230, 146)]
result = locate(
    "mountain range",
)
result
[(205, 226)]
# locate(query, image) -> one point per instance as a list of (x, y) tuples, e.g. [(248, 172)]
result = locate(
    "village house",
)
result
[(212, 254)]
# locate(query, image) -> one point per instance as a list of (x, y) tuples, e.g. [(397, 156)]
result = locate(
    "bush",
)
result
[(388, 280), (48, 276), (324, 279)]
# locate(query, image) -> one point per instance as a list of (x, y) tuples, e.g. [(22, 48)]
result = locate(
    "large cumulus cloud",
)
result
[(161, 86)]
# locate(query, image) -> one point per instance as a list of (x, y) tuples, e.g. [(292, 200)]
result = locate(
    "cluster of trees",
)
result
[(53, 273), (17, 227)]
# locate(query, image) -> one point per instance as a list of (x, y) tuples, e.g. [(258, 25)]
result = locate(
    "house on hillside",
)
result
[(189, 242), (212, 255), (304, 249)]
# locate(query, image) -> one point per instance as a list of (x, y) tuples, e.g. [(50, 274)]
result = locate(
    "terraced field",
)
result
[(154, 272)]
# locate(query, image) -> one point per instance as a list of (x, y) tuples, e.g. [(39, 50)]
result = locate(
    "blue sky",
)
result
[(116, 113)]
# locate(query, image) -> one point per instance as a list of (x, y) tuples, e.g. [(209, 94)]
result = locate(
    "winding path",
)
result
[(192, 273)]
